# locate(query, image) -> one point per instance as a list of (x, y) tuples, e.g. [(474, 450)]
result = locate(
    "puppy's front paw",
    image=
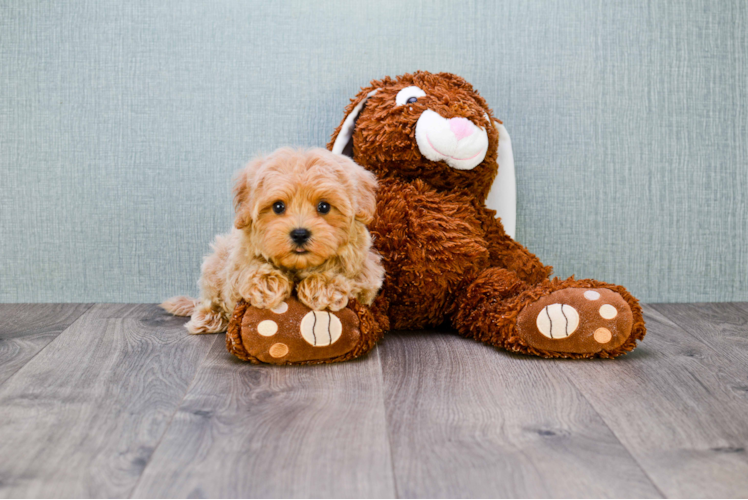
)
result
[(319, 292), (266, 290)]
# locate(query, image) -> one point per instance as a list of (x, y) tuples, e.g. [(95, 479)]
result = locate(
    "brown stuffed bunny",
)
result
[(432, 140)]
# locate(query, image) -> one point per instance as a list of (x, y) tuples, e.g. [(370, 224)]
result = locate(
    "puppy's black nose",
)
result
[(300, 236)]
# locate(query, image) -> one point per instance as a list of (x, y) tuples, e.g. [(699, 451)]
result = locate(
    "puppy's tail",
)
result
[(180, 306)]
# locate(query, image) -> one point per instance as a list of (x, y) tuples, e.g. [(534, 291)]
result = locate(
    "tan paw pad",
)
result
[(320, 328), (278, 350), (608, 312), (602, 335), (267, 328), (280, 308), (557, 321)]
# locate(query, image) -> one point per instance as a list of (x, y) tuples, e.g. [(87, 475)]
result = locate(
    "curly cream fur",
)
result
[(258, 261)]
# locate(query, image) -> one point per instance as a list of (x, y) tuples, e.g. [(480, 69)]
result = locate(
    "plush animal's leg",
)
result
[(554, 318), (506, 253)]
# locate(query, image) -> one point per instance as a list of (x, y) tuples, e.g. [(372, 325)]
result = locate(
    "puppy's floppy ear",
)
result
[(341, 141), (244, 190), (366, 195)]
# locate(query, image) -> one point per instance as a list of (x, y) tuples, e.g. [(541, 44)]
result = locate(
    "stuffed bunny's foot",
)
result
[(577, 320), (553, 319), (292, 333)]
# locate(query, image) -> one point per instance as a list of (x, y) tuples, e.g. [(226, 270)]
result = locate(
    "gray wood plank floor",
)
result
[(25, 329), (118, 401), (263, 431)]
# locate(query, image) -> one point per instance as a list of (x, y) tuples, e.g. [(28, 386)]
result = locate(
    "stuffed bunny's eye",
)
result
[(409, 95)]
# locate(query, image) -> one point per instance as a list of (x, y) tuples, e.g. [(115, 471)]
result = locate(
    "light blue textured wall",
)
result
[(122, 123)]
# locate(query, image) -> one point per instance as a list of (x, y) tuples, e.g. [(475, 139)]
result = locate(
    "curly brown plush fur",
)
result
[(384, 138), (448, 259)]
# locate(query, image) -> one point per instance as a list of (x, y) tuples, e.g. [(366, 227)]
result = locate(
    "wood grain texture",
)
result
[(466, 420), (721, 326), (124, 403), (25, 329), (82, 418), (679, 406), (273, 431)]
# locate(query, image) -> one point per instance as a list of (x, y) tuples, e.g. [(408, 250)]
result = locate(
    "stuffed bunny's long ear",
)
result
[(343, 144), (503, 194)]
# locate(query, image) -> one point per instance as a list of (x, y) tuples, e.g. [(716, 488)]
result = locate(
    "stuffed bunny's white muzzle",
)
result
[(456, 141)]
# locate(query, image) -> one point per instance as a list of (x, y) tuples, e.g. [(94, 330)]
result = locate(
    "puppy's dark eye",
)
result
[(279, 207), (323, 207), (411, 100)]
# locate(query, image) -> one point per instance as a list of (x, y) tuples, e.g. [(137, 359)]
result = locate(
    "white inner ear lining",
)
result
[(346, 131)]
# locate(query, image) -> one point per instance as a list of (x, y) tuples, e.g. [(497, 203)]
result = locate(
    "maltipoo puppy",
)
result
[(300, 223)]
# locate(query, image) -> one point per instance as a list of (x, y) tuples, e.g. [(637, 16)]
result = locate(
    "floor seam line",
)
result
[(613, 432), (689, 332), (387, 422), (171, 418), (80, 317)]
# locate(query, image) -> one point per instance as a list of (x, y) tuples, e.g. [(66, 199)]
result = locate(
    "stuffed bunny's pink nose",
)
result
[(461, 127)]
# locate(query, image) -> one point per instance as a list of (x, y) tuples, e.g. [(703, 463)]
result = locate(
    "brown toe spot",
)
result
[(608, 312)]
